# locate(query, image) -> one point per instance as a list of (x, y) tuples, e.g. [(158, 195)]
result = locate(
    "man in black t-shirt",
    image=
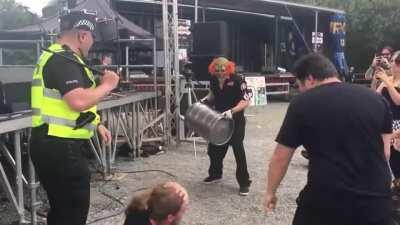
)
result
[(230, 96), (346, 130)]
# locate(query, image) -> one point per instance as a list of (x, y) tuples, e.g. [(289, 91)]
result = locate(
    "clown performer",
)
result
[(230, 96)]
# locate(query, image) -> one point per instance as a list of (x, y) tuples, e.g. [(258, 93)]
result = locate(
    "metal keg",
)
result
[(209, 124)]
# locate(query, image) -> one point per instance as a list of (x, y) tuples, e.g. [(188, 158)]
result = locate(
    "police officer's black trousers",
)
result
[(217, 155), (65, 176)]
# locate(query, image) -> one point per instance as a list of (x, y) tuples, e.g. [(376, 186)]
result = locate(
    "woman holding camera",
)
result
[(390, 89), (382, 60)]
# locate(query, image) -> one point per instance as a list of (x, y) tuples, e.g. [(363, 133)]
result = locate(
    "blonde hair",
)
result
[(396, 76), (395, 55)]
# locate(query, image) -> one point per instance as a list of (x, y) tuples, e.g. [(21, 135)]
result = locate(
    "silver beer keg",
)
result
[(209, 124)]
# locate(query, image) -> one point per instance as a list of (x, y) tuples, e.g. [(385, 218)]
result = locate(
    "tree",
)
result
[(14, 15), (371, 25)]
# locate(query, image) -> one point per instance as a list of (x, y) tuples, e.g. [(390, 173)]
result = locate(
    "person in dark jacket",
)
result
[(230, 96)]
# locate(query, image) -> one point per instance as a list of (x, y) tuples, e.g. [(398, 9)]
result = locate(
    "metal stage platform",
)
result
[(132, 117)]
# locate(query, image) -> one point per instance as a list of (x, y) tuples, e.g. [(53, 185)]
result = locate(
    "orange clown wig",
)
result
[(221, 65)]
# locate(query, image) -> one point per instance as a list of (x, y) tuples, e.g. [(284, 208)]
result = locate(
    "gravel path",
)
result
[(216, 204)]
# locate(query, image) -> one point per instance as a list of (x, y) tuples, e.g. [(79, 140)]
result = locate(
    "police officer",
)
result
[(230, 96), (63, 92)]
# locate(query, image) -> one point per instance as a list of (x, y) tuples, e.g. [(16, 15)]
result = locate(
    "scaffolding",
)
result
[(117, 111), (171, 69)]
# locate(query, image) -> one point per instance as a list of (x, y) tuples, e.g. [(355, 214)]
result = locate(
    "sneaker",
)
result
[(244, 190), (211, 180)]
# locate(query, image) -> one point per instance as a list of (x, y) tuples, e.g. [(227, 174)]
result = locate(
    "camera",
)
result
[(186, 69), (382, 63)]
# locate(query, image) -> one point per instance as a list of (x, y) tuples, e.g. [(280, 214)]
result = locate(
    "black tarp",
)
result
[(51, 25), (270, 7), (260, 7)]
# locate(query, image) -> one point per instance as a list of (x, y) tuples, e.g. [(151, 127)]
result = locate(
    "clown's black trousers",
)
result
[(217, 155)]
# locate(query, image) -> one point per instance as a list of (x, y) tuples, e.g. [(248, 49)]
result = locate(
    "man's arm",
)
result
[(278, 166), (240, 106), (69, 79), (81, 99), (387, 138)]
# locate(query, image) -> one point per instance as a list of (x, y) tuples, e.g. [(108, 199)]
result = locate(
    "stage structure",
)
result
[(132, 116), (263, 34), (171, 66)]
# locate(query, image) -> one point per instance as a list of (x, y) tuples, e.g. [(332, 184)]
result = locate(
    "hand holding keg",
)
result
[(209, 124), (228, 113)]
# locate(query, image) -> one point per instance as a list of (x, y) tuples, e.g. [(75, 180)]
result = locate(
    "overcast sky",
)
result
[(34, 5)]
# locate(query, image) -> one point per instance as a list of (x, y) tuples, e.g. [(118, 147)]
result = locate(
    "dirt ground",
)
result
[(216, 204)]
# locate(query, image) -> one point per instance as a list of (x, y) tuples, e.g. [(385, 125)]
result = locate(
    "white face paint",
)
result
[(221, 77)]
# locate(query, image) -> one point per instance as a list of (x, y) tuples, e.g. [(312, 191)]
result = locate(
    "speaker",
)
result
[(210, 39), (15, 97), (200, 67)]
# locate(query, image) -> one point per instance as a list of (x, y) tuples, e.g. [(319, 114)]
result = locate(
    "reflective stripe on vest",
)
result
[(52, 93), (36, 82), (49, 107), (61, 121)]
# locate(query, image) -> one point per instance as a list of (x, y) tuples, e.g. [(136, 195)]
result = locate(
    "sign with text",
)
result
[(257, 85), (184, 33), (317, 39)]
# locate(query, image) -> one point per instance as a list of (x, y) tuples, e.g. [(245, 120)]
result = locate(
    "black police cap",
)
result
[(83, 20)]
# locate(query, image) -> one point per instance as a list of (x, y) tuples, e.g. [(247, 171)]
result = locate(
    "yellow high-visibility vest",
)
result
[(49, 107)]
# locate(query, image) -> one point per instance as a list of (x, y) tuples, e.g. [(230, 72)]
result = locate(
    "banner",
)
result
[(257, 87), (338, 34)]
